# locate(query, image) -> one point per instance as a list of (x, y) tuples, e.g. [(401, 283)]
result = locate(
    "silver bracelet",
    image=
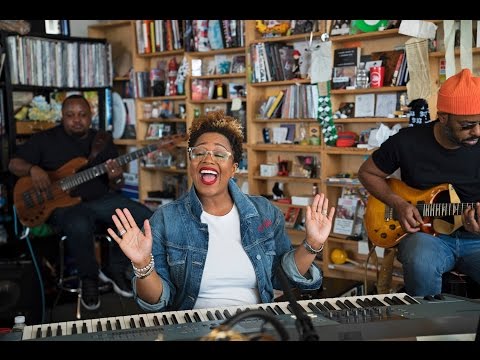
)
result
[(310, 249), (146, 270), (145, 274)]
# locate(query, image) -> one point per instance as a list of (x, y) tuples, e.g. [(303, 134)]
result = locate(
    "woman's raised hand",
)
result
[(135, 244)]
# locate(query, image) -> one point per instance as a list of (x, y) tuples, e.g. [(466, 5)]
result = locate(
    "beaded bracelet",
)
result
[(310, 249), (146, 270)]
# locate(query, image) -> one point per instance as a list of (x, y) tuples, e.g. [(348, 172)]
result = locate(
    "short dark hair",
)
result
[(75, 97), (218, 122)]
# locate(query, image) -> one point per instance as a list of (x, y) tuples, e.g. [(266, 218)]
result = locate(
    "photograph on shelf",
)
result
[(345, 216), (291, 217), (238, 64)]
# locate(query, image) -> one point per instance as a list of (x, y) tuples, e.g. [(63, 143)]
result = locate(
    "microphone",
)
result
[(303, 323), (224, 331)]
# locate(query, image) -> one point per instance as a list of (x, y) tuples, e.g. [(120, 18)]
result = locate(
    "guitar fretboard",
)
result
[(443, 209), (72, 181)]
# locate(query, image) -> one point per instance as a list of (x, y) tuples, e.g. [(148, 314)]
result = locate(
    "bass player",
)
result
[(50, 150)]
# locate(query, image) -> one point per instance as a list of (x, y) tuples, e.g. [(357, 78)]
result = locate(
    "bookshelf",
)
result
[(331, 160), (50, 66)]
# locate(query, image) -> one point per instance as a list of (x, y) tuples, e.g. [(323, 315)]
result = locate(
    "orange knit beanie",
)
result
[(460, 94)]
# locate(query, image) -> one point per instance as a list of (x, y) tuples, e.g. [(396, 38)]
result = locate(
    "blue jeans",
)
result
[(425, 258), (79, 222)]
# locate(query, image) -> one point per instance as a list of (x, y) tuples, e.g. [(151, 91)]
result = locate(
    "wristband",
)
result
[(310, 249)]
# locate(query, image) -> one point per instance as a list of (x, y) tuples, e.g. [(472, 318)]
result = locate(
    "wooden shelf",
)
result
[(162, 53), (287, 179), (110, 24), (365, 36), (161, 98), (121, 78), (201, 54), (383, 89), (126, 142), (167, 120), (287, 148), (285, 120), (441, 54), (281, 83), (164, 169), (219, 76), (331, 150), (214, 101), (370, 120)]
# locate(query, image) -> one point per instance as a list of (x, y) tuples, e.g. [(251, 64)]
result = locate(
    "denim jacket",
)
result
[(180, 245)]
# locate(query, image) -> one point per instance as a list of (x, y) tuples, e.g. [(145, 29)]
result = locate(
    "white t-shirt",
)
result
[(228, 277)]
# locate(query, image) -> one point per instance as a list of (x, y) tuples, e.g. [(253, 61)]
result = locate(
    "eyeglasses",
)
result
[(199, 153), (468, 125)]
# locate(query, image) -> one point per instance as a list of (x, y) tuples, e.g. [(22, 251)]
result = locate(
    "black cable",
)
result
[(258, 314), (303, 323)]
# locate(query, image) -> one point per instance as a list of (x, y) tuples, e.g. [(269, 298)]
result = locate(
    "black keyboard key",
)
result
[(398, 301), (74, 328), (99, 326), (196, 317), (377, 302), (118, 326), (410, 299), (329, 306), (132, 323), (341, 305), (142, 322), (59, 331), (279, 310), (270, 310), (39, 333), (218, 315), (349, 304), (84, 328), (362, 303), (227, 314), (312, 307), (49, 332), (174, 319), (289, 308), (187, 318), (388, 301), (165, 320), (155, 321), (210, 315), (319, 305), (109, 325)]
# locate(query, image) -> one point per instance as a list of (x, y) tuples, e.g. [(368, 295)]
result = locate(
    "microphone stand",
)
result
[(303, 323)]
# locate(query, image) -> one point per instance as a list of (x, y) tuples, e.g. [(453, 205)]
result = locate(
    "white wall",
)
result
[(80, 27)]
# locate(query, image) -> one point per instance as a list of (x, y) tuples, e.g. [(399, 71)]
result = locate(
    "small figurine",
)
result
[(296, 64), (172, 77)]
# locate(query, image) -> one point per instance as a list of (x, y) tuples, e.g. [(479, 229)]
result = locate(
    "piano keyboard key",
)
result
[(323, 307)]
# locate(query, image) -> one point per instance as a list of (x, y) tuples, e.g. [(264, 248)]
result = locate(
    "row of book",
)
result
[(300, 102), (271, 62), (47, 62), (189, 35), (158, 35)]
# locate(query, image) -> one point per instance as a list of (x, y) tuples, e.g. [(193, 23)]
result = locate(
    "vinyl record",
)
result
[(119, 116), (370, 25)]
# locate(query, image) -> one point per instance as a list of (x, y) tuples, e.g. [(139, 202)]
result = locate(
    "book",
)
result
[(275, 104), (345, 216), (346, 57), (344, 77)]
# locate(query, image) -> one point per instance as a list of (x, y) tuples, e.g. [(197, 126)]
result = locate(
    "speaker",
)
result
[(19, 292)]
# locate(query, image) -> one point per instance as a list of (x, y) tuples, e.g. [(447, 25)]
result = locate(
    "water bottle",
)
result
[(19, 323), (361, 77)]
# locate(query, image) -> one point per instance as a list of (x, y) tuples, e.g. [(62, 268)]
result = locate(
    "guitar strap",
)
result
[(99, 143)]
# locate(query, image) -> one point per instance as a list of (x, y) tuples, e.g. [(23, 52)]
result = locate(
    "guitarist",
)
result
[(48, 151), (443, 151)]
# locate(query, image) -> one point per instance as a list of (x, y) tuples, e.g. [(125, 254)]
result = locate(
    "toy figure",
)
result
[(172, 76), (296, 65)]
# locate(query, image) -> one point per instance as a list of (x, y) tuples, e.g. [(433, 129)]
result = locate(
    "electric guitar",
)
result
[(34, 207), (381, 222)]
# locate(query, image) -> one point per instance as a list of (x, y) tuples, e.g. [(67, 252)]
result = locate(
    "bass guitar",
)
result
[(34, 207), (381, 220)]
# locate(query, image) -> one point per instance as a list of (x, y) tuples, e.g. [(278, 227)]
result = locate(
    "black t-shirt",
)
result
[(53, 148), (424, 163)]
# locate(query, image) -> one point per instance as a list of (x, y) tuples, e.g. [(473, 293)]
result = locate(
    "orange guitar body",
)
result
[(382, 227), (34, 208)]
